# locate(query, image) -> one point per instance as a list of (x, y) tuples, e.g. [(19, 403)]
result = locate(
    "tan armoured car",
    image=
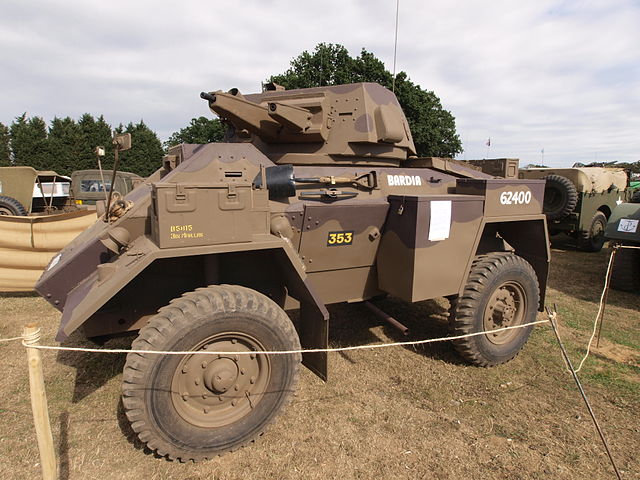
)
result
[(316, 198)]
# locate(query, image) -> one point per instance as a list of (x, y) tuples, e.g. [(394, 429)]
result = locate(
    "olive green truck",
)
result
[(579, 201), (315, 198)]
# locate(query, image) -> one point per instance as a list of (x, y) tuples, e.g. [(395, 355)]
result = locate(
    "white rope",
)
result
[(600, 307), (10, 339), (280, 352), (30, 338)]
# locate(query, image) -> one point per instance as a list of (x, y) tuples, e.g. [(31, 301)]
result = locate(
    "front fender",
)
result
[(108, 279)]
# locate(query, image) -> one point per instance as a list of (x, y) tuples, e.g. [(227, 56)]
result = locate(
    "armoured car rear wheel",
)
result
[(592, 240), (192, 407), (11, 206), (502, 291)]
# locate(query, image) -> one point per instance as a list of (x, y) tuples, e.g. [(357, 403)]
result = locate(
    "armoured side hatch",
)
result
[(340, 236)]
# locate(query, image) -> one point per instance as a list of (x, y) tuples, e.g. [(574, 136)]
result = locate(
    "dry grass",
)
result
[(393, 413)]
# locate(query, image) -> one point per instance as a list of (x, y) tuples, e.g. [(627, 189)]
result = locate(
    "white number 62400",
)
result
[(515, 198)]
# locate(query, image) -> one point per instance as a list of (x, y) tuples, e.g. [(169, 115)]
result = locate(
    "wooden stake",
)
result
[(31, 336)]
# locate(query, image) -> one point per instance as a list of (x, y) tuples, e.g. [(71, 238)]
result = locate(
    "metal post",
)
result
[(565, 355), (607, 283)]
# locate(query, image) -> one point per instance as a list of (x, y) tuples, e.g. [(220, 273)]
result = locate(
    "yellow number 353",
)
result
[(339, 238)]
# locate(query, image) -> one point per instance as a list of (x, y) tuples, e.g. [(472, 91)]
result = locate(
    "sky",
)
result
[(550, 81)]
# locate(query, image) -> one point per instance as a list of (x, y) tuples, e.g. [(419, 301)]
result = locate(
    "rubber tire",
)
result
[(587, 242), (635, 197), (560, 197), (488, 272), (181, 325), (11, 206), (625, 273)]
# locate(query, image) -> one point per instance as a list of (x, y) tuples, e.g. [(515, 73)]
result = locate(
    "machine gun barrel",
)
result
[(266, 122), (243, 114)]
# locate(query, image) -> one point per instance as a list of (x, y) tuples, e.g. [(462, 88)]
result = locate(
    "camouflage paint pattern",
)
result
[(411, 229)]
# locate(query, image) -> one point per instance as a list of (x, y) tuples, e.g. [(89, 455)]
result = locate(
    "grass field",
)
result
[(388, 413)]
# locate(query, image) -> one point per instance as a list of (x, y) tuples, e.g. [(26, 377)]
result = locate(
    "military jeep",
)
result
[(579, 201)]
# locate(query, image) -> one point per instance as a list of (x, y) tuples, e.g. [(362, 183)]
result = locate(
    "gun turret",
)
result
[(346, 124)]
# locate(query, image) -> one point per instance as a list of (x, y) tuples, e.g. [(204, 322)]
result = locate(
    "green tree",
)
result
[(146, 153), (433, 127), (5, 151), (64, 145), (95, 133), (200, 130), (29, 142)]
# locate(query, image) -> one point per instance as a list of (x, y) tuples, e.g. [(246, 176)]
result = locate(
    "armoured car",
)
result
[(315, 198)]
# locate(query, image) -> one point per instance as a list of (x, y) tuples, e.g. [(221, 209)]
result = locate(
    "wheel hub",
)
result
[(213, 390), (220, 375), (505, 308)]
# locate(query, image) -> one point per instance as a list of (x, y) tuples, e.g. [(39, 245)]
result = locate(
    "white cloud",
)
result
[(552, 74)]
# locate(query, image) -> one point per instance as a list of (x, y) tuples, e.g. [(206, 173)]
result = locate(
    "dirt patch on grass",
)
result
[(394, 413), (617, 353)]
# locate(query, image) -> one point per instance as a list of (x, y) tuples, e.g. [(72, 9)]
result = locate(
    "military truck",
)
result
[(24, 190), (579, 201), (315, 198), (622, 229), (90, 186)]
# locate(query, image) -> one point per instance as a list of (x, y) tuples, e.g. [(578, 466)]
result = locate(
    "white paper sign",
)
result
[(440, 221), (628, 225)]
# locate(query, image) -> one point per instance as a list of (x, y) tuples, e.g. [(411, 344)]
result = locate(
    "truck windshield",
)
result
[(94, 186)]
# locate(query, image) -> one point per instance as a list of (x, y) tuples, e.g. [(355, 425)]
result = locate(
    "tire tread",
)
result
[(217, 298)]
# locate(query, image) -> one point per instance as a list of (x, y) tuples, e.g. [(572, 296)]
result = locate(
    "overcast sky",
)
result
[(563, 76)]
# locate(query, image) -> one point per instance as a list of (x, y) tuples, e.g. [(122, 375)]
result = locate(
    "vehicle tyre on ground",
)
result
[(560, 197), (592, 240), (635, 197), (625, 271), (194, 407), (11, 206), (502, 290)]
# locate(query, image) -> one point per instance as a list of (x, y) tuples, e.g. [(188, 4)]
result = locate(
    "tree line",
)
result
[(433, 127), (66, 145)]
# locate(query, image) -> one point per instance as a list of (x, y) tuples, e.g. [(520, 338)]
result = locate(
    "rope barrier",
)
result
[(341, 349), (26, 343), (600, 308), (10, 339), (552, 314), (603, 296)]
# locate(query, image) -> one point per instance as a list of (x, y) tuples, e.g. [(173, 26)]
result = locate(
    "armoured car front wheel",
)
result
[(197, 406), (502, 291)]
